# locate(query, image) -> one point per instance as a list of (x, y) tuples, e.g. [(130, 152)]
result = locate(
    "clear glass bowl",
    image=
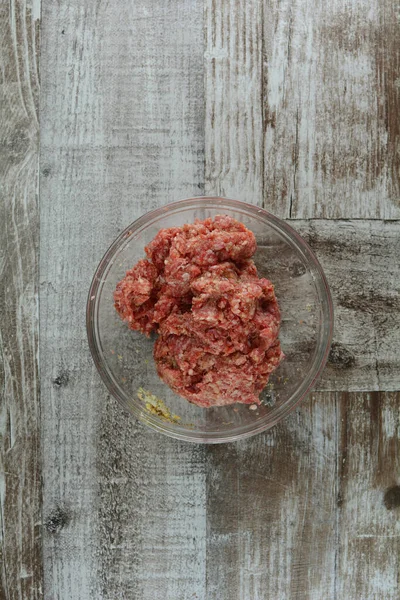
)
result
[(124, 358)]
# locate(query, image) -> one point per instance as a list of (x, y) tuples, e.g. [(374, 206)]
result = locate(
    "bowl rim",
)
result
[(308, 382)]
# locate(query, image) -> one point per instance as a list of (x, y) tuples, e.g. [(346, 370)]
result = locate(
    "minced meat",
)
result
[(217, 321)]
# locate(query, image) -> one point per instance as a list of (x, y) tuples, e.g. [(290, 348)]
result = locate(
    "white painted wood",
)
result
[(20, 461), (122, 132), (308, 93)]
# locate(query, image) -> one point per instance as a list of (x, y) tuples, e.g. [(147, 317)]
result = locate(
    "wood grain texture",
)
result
[(271, 514), (369, 497), (361, 260), (309, 93), (122, 132), (20, 466), (309, 509), (129, 514), (150, 513), (233, 96)]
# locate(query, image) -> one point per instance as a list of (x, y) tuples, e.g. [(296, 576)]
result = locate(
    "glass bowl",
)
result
[(124, 358)]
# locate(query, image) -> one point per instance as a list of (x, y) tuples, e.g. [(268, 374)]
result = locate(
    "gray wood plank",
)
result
[(271, 513), (309, 509), (122, 114), (308, 92), (20, 460), (361, 260), (369, 497), (233, 99), (122, 132)]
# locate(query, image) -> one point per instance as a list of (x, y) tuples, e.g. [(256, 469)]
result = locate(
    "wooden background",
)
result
[(290, 104)]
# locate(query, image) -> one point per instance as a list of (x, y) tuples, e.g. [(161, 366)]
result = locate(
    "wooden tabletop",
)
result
[(107, 110)]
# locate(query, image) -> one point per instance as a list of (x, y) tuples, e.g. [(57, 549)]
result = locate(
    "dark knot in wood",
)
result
[(61, 380), (57, 520), (391, 498), (340, 357)]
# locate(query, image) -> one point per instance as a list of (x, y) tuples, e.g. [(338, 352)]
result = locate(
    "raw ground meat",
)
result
[(217, 321)]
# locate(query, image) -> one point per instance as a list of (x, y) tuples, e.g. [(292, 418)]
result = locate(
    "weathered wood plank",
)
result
[(125, 510), (313, 100), (369, 497), (361, 260), (150, 513), (309, 509), (20, 464), (122, 114), (233, 117), (271, 514), (333, 109)]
